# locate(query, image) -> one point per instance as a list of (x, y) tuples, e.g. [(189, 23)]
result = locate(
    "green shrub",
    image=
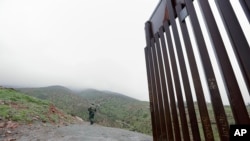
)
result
[(4, 110)]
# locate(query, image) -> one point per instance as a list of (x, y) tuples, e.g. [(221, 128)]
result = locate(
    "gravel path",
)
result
[(79, 132)]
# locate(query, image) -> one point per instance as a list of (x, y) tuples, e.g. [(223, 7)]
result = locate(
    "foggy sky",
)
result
[(83, 44), (75, 43)]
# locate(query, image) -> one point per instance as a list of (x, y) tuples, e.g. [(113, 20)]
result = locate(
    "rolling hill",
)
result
[(113, 109)]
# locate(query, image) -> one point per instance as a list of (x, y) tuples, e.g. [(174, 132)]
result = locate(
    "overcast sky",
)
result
[(79, 44), (75, 43)]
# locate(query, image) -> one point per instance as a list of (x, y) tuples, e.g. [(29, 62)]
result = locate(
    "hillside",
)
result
[(62, 97), (24, 117), (118, 110), (113, 109), (18, 107)]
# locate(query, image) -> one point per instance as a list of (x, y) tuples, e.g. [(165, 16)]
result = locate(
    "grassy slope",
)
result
[(21, 108)]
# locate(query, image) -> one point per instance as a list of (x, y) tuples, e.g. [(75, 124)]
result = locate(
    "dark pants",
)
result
[(91, 118)]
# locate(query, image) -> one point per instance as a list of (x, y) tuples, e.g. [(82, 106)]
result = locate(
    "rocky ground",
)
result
[(74, 132)]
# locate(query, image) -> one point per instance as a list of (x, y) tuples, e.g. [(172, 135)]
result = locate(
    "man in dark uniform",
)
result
[(92, 111)]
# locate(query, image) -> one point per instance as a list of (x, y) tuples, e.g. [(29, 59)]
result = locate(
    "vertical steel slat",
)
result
[(164, 90), (238, 40), (197, 84), (148, 32), (179, 94), (189, 98), (209, 74), (159, 92), (177, 134), (216, 100), (235, 97), (184, 129), (155, 104), (152, 111), (154, 93), (157, 114)]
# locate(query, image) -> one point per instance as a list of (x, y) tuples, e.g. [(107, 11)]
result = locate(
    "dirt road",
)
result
[(77, 132)]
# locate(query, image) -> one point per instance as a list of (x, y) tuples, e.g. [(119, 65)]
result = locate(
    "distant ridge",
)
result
[(53, 87), (97, 93), (82, 92)]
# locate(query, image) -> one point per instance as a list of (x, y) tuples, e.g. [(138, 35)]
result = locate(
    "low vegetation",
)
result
[(18, 107)]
